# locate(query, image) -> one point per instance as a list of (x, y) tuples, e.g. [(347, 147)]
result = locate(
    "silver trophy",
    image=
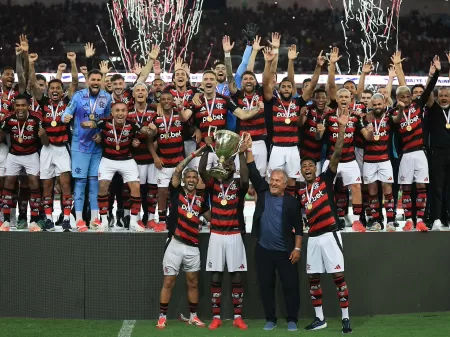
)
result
[(227, 146)]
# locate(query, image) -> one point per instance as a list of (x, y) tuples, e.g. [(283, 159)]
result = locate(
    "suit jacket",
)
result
[(292, 217)]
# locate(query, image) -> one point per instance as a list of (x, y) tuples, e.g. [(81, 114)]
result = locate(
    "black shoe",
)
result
[(145, 219), (396, 224), (111, 220), (363, 220), (60, 220), (341, 224), (49, 226), (119, 218), (126, 222), (66, 226), (317, 324), (346, 327)]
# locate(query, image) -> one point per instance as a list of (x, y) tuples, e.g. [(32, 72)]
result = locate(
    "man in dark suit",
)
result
[(278, 248)]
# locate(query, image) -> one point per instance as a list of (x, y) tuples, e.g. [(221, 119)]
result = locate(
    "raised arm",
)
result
[(227, 47), (19, 70), (397, 61), (331, 82), (104, 69), (336, 157), (26, 67), (366, 69), (256, 47), (152, 56), (292, 56), (72, 57), (176, 176), (392, 75), (307, 93), (202, 166), (400, 108), (427, 97), (269, 56), (249, 33), (35, 90), (275, 44), (157, 69)]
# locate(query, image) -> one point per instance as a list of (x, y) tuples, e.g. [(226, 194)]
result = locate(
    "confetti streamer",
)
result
[(137, 24), (372, 24)]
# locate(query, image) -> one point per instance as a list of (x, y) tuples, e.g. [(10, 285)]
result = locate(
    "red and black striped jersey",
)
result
[(34, 104), (285, 116), (59, 134), (320, 208), (219, 108), (412, 140), (23, 134), (170, 139), (119, 149), (360, 110), (186, 97), (228, 218), (377, 150), (127, 98), (255, 126), (141, 154), (183, 227), (6, 102), (310, 146), (331, 124)]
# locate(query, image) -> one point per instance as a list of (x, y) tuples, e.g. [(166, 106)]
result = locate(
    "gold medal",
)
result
[(53, 123), (309, 206), (117, 147), (447, 125), (209, 119), (408, 128), (91, 117), (166, 136), (189, 215), (20, 140), (287, 121), (376, 138), (224, 202)]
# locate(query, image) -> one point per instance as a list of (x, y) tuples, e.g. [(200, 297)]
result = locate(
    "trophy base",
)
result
[(218, 173)]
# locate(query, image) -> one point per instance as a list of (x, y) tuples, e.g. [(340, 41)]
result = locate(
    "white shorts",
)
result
[(3, 155), (128, 169), (189, 147), (14, 164), (259, 150), (227, 249), (359, 154), (349, 172), (413, 168), (324, 254), (54, 160), (179, 254), (147, 174), (164, 176), (286, 158), (381, 171)]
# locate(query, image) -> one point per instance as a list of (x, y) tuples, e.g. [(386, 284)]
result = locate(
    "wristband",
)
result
[(193, 155), (227, 54), (249, 149), (298, 249)]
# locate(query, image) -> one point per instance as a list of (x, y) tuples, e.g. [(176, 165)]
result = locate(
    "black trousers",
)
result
[(267, 262), (395, 186), (439, 183)]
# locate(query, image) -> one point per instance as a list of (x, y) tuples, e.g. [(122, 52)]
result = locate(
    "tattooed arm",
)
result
[(227, 47), (176, 176)]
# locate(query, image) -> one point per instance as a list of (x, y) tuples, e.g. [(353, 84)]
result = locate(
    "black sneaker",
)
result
[(145, 219), (341, 224), (111, 220), (126, 222), (317, 324), (49, 226), (120, 222), (60, 219), (346, 327), (66, 226)]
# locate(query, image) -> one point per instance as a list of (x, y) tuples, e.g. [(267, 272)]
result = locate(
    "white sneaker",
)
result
[(390, 227), (13, 218), (137, 227), (34, 227), (99, 226), (437, 225), (5, 227), (376, 227)]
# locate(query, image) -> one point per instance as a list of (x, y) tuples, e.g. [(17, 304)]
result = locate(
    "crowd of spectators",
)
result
[(53, 28)]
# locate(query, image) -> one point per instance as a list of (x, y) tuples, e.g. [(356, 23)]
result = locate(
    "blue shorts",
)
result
[(85, 164)]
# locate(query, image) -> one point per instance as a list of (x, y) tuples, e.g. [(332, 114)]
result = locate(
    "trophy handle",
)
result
[(244, 136), (212, 134)]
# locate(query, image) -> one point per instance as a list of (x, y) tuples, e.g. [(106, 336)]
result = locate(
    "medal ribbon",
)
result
[(167, 127), (250, 106), (143, 114), (54, 113), (209, 108), (115, 133), (92, 108), (377, 128), (309, 195), (288, 111), (447, 116), (225, 193), (21, 130), (408, 119), (190, 205)]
